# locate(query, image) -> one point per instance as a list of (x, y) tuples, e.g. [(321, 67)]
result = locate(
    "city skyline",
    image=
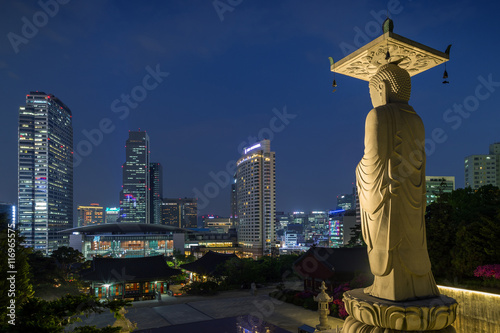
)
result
[(204, 83)]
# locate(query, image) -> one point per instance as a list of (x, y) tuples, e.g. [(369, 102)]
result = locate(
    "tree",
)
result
[(38, 315), (180, 259), (44, 271), (357, 236), (16, 287), (66, 257), (463, 228)]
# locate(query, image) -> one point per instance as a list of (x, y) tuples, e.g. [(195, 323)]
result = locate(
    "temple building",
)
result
[(129, 278)]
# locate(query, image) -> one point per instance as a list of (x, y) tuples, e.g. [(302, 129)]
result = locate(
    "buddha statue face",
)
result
[(391, 84)]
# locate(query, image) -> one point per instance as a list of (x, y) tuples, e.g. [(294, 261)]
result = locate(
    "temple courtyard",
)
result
[(182, 310)]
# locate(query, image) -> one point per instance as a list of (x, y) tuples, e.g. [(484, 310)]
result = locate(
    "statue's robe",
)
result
[(391, 188)]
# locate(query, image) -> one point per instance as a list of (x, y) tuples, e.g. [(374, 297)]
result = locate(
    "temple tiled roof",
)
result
[(106, 270), (333, 260), (208, 264)]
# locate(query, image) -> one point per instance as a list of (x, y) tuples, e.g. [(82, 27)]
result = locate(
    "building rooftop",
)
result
[(107, 270), (208, 264), (125, 228), (335, 260)]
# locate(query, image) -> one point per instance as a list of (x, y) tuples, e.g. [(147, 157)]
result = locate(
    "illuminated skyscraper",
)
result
[(182, 213), (483, 170), (93, 214), (134, 197), (45, 172), (156, 192), (255, 187)]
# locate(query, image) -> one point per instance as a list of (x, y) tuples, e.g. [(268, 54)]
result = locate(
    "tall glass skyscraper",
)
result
[(255, 187), (45, 171), (135, 197), (156, 192)]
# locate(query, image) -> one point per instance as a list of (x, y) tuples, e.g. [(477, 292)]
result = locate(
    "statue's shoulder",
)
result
[(380, 112)]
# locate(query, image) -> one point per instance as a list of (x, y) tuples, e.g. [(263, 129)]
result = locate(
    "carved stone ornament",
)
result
[(415, 58), (430, 314)]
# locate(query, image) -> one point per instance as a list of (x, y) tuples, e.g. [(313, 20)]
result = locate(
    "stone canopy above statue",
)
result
[(414, 57)]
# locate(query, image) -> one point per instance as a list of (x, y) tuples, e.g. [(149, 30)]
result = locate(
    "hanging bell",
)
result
[(334, 83), (445, 74)]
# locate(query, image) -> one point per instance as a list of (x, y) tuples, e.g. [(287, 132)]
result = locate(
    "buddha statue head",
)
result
[(391, 84)]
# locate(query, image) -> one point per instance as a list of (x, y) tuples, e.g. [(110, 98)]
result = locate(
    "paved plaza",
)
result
[(189, 309)]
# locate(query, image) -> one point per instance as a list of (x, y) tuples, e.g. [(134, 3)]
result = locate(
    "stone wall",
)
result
[(477, 311)]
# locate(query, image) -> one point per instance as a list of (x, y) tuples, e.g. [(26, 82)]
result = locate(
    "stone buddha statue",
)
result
[(391, 187)]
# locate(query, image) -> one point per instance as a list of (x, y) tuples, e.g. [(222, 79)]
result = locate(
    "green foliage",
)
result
[(201, 288), (265, 270), (65, 257), (357, 237), (463, 228), (55, 276), (181, 259), (37, 315), (310, 304)]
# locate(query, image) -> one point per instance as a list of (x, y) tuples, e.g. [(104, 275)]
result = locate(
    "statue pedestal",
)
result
[(371, 314)]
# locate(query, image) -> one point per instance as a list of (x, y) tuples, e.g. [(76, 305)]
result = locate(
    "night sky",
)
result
[(223, 77)]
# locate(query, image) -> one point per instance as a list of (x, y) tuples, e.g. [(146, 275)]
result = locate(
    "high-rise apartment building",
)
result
[(436, 185), (93, 214), (45, 171), (495, 150), (182, 213), (156, 192), (483, 170), (135, 194), (255, 187)]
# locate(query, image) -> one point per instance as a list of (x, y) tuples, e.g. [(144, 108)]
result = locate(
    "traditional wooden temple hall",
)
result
[(129, 278)]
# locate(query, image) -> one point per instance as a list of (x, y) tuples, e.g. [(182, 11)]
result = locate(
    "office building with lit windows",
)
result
[(437, 185), (45, 172), (111, 214), (255, 187), (135, 194), (340, 229), (156, 192), (93, 214), (483, 170), (181, 213)]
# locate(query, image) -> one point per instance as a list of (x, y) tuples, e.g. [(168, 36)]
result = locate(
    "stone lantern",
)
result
[(323, 299)]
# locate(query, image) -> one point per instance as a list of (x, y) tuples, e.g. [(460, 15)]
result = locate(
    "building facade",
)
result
[(436, 185), (93, 214), (111, 214), (135, 194), (341, 223), (234, 203), (10, 212), (255, 187), (45, 171), (346, 201), (217, 224), (181, 213), (156, 192), (483, 170)]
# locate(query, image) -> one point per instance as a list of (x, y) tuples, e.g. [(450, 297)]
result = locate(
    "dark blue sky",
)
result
[(225, 78)]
